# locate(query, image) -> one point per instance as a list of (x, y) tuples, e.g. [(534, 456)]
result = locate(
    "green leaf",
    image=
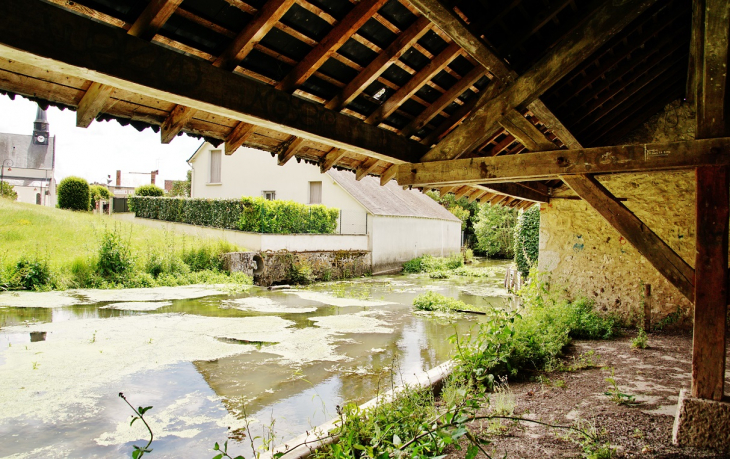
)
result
[(471, 452), (136, 453), (219, 456), (396, 440), (133, 419), (216, 447)]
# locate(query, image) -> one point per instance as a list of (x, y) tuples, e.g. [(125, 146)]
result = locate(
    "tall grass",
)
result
[(80, 249)]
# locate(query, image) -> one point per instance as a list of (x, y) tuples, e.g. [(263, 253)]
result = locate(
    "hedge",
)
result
[(73, 193), (247, 214), (149, 190)]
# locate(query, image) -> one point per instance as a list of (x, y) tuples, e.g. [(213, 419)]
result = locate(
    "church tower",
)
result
[(40, 128)]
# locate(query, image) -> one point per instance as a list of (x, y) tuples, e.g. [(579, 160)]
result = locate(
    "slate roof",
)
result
[(21, 151), (390, 200)]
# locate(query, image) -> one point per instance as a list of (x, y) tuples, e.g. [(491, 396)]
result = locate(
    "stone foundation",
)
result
[(248, 263), (702, 423), (302, 267)]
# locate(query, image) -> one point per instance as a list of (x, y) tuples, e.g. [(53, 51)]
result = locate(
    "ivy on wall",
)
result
[(527, 239), (247, 214)]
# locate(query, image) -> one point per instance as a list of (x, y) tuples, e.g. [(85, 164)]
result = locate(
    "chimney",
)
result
[(153, 176), (119, 178)]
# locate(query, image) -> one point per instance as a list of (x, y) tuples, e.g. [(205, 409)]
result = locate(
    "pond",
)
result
[(208, 360)]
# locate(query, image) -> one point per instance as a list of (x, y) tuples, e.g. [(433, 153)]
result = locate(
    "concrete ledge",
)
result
[(701, 423)]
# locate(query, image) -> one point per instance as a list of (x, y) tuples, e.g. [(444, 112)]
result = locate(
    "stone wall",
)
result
[(588, 257), (284, 266)]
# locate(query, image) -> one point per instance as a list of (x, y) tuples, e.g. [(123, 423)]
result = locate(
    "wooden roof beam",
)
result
[(290, 148), (463, 191), (414, 84), (238, 135), (194, 83), (446, 99), (519, 191), (604, 23), (330, 159), (548, 165), (525, 132), (358, 16), (365, 168), (145, 27), (388, 174), (380, 64)]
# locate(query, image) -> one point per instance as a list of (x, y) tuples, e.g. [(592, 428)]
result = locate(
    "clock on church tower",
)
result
[(40, 128)]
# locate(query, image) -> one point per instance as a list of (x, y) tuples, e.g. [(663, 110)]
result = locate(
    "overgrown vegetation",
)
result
[(73, 194), (98, 193), (182, 187), (514, 344), (247, 214), (494, 230), (527, 240), (45, 249), (428, 264)]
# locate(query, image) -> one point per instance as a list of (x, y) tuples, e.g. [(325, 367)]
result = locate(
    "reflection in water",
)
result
[(258, 382)]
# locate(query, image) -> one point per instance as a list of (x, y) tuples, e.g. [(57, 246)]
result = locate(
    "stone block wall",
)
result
[(330, 265), (586, 256)]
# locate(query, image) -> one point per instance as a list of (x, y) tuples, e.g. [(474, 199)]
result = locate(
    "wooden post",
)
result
[(711, 293), (647, 307)]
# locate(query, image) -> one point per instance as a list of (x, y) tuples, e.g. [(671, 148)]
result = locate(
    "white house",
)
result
[(400, 224), (28, 161)]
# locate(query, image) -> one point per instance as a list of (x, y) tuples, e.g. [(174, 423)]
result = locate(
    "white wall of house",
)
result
[(32, 185), (290, 182), (391, 246)]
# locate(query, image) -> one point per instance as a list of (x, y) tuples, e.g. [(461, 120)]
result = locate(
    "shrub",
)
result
[(73, 194), (32, 274), (431, 301), (7, 191), (495, 230), (149, 190), (428, 264), (301, 273), (96, 193), (207, 256), (527, 240), (115, 259)]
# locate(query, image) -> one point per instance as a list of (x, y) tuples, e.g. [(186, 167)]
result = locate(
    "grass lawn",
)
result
[(67, 240)]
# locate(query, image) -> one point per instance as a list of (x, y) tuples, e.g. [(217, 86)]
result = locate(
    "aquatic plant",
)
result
[(139, 414)]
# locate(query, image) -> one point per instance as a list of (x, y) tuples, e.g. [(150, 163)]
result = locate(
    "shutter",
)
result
[(315, 192), (215, 166)]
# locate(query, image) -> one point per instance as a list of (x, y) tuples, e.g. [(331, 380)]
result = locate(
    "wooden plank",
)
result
[(604, 23), (711, 289), (264, 20), (365, 168), (380, 64), (696, 43), (446, 99), (91, 104), (712, 90), (108, 56), (414, 84), (463, 191), (645, 241), (291, 148), (179, 117), (330, 159), (239, 134), (526, 132), (550, 164), (330, 44), (153, 17), (478, 195), (388, 175), (518, 191), (449, 123), (544, 114)]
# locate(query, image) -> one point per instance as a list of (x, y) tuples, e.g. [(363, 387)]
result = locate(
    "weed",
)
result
[(224, 452), (115, 259), (639, 342), (428, 264), (32, 273), (585, 361), (591, 441), (431, 301), (614, 392), (93, 338), (36, 365), (139, 414), (670, 319), (439, 275)]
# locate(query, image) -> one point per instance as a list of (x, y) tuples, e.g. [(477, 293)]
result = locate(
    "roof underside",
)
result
[(395, 70)]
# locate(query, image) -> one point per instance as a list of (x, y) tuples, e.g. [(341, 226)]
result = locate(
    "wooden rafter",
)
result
[(365, 168), (388, 174), (526, 132), (238, 135), (463, 191), (381, 63), (651, 246), (330, 159), (414, 84), (145, 27), (605, 22), (548, 165), (330, 44), (289, 149), (195, 83), (519, 191)]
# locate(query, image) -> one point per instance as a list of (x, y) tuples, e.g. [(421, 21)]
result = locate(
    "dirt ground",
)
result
[(653, 376)]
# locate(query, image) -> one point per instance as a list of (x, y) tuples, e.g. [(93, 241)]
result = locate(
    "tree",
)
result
[(73, 194), (462, 208), (97, 193), (149, 190), (7, 191), (527, 239), (181, 187), (494, 230)]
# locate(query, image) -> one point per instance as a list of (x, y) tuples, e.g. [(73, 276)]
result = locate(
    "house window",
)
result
[(269, 195), (215, 166), (315, 192)]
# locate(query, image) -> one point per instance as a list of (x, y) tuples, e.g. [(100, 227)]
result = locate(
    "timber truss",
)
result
[(497, 101)]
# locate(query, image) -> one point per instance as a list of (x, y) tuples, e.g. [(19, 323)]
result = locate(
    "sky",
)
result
[(102, 148)]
